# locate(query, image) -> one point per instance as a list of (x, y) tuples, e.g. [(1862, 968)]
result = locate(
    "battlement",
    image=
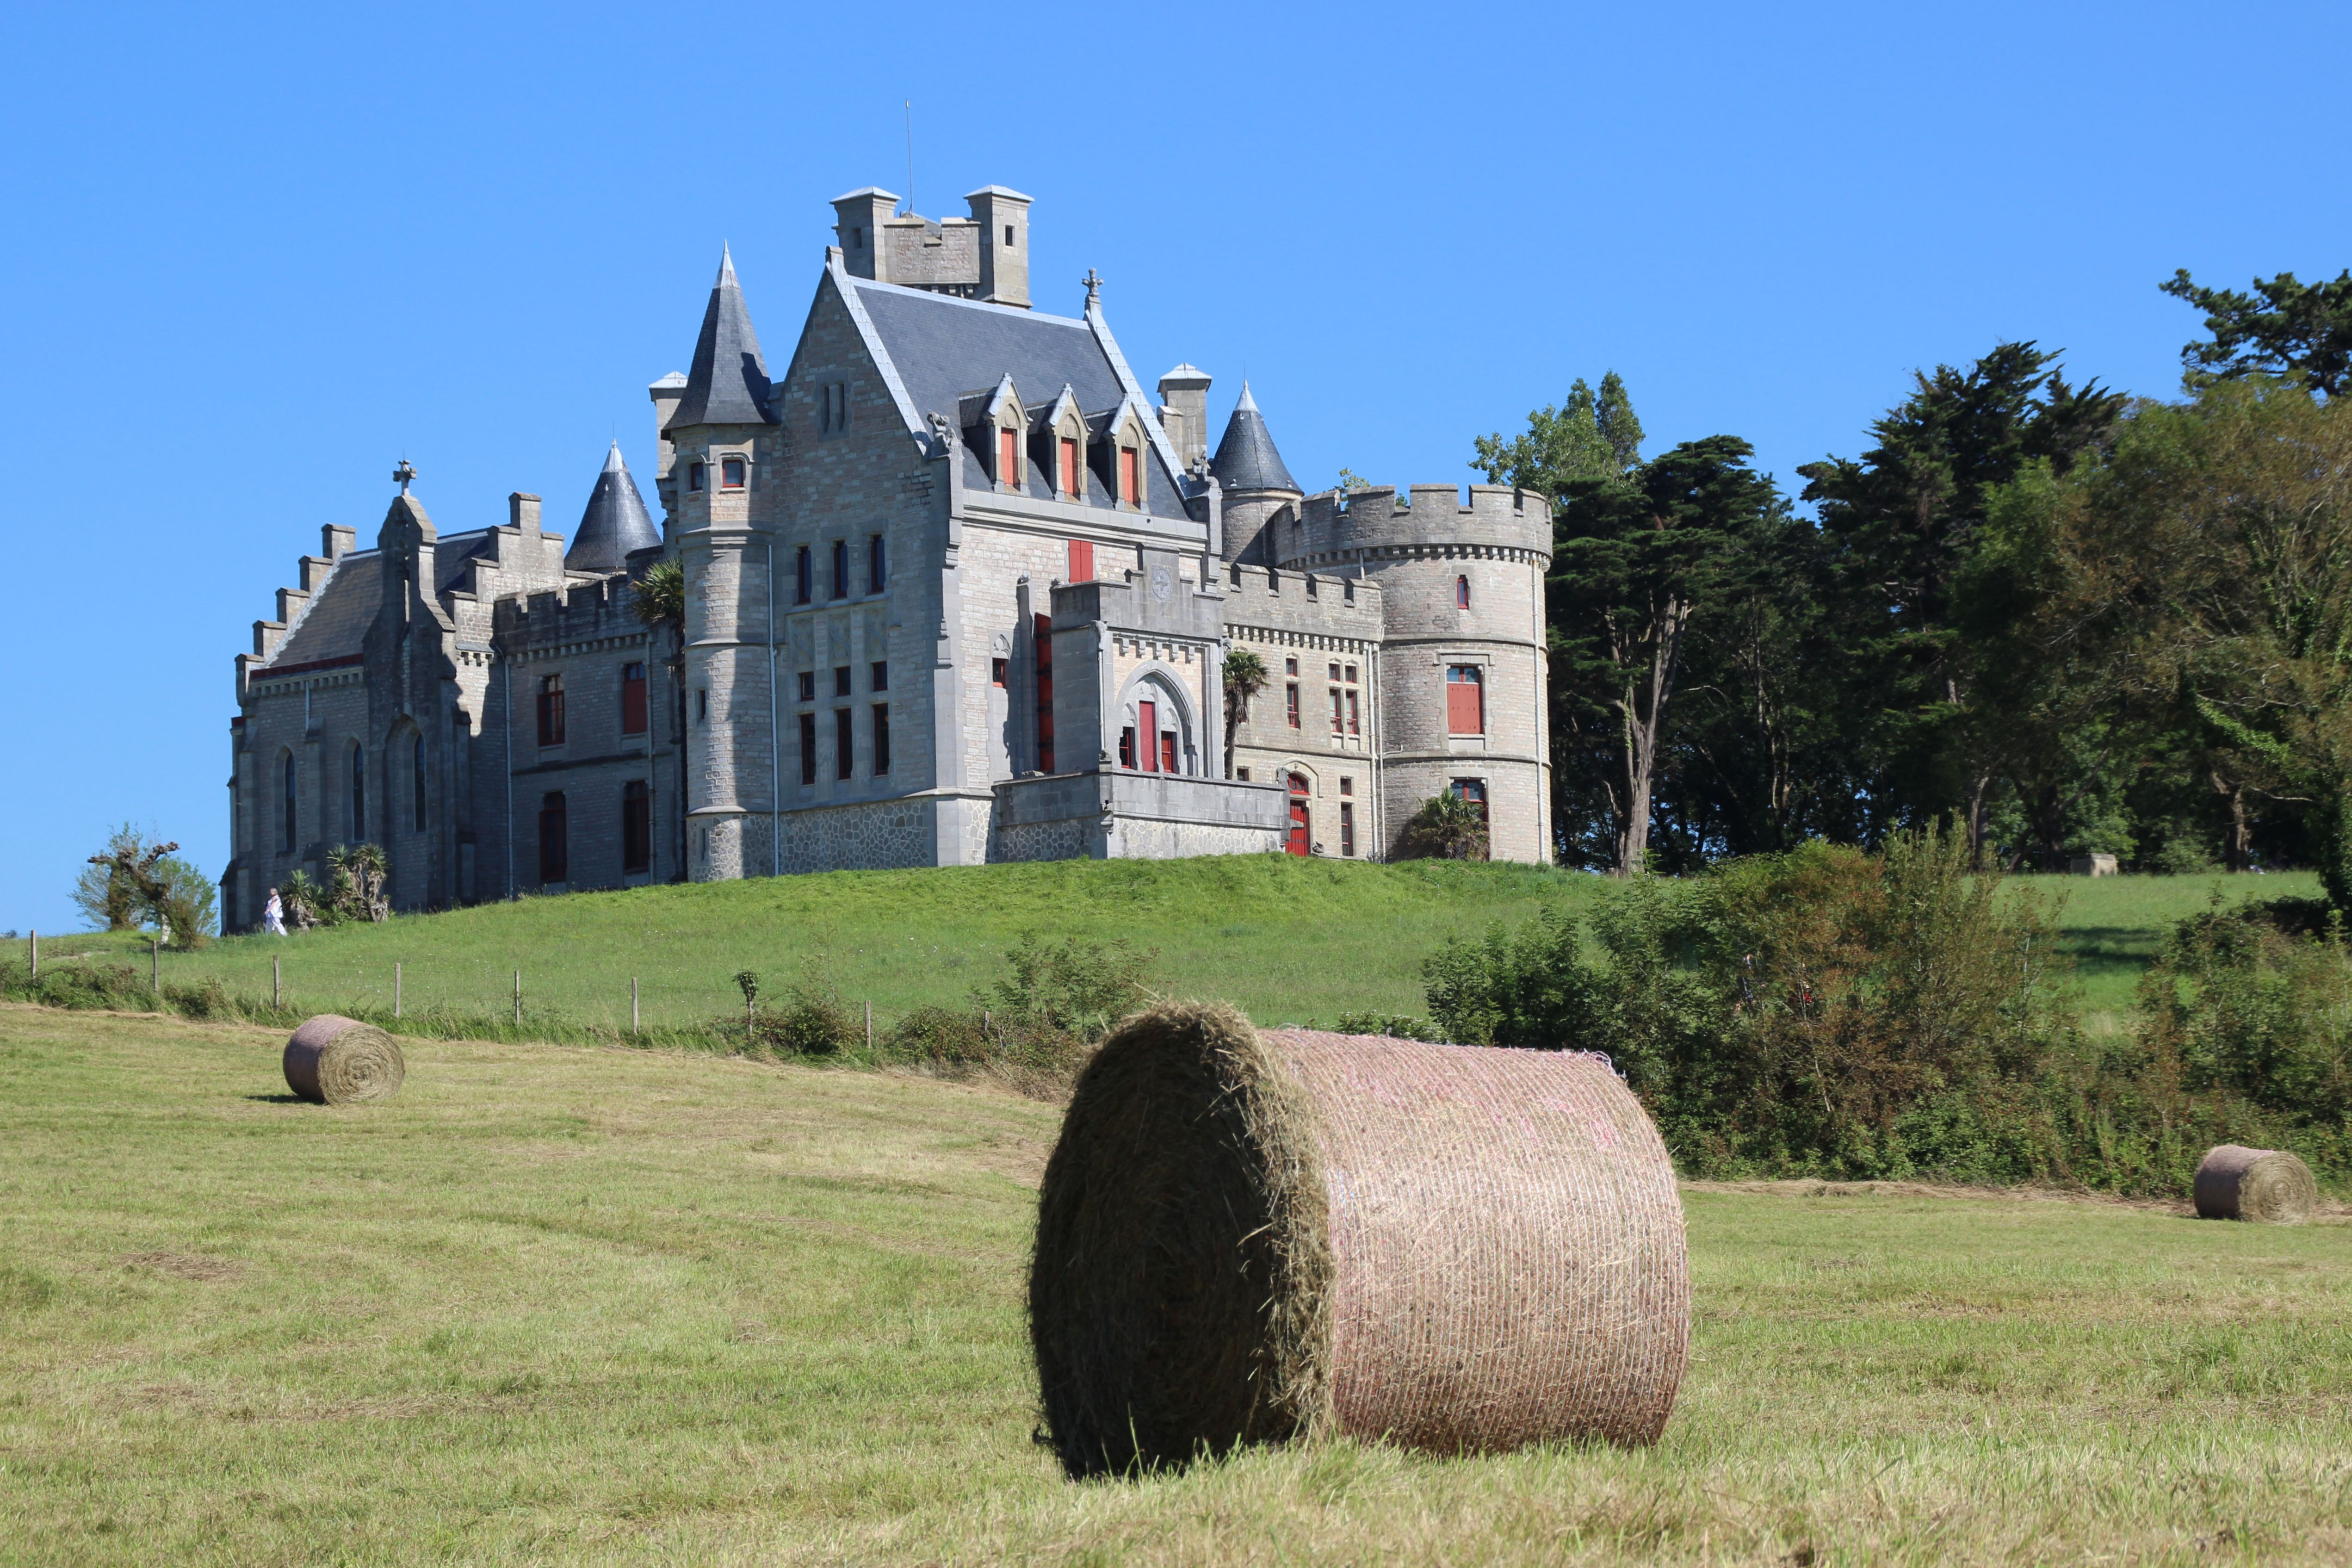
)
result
[(1312, 603), (603, 608), (1338, 523)]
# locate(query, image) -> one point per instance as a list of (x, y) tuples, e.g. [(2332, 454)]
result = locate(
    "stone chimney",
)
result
[(1184, 412), (1004, 218), (523, 511)]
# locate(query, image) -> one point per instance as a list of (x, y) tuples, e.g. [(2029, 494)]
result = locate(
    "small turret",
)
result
[(615, 523), (1258, 488), (728, 382)]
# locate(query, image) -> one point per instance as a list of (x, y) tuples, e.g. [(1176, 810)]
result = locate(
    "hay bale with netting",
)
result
[(1249, 1235), (335, 1060), (2268, 1186)]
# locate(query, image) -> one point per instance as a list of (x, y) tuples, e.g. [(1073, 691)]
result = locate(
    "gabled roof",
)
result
[(334, 622), (728, 382), (615, 523), (936, 348), (1246, 459)]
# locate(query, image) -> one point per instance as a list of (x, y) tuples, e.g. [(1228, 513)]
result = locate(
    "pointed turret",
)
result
[(1245, 458), (615, 523), (728, 382)]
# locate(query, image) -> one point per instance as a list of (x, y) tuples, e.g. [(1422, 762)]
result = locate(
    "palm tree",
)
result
[(661, 606), (1244, 678)]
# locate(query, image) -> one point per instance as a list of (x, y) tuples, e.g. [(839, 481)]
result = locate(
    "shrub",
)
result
[(1075, 987), (1445, 827), (1395, 1025), (812, 1022)]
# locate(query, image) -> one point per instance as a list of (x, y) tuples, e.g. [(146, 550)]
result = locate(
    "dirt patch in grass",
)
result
[(184, 1265)]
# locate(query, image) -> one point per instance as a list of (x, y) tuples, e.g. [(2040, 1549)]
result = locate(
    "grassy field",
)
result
[(1285, 940), (614, 1306)]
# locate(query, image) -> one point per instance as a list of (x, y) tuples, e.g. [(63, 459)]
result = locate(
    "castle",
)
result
[(956, 591)]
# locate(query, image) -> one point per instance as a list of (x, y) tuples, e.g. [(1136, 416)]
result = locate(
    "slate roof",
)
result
[(335, 624), (615, 523), (1245, 458), (945, 349), (728, 382)]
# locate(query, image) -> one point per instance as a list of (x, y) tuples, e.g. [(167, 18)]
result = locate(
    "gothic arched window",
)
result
[(288, 829), (1461, 592)]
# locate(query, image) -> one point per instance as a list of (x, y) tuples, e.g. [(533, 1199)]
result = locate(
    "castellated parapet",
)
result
[(1337, 526)]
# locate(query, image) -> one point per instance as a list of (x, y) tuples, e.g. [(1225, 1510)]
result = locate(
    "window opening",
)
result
[(1168, 752), (1354, 721), (841, 680), (633, 700), (551, 709), (417, 786), (803, 576), (1290, 702), (1347, 828), (287, 837), (636, 826), (808, 748), (1074, 484), (1347, 786), (1336, 727), (702, 705), (808, 686), (1465, 700), (841, 568), (1461, 592), (1131, 477), (359, 792), (1335, 672), (694, 476), (1243, 774), (878, 563), (1008, 236), (554, 840), (1082, 560), (1147, 719), (1044, 628), (881, 738), (1297, 842), (844, 744), (1008, 458), (881, 675), (730, 473), (997, 670), (1127, 746)]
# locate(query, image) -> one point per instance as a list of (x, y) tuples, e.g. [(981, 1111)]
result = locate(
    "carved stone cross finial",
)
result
[(404, 474), (1093, 287)]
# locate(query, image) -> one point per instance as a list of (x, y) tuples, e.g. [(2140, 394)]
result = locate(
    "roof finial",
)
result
[(403, 474), (1093, 287)]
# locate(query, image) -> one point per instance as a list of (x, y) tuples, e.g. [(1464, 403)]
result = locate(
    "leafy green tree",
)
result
[(2296, 332), (1635, 562), (1245, 676), (1591, 436)]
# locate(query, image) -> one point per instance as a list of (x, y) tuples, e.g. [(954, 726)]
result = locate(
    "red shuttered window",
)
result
[(1147, 719), (1131, 477), (1082, 560), (633, 700), (1074, 481), (1008, 457), (1465, 700)]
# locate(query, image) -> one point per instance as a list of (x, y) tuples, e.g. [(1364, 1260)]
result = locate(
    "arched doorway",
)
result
[(1297, 842)]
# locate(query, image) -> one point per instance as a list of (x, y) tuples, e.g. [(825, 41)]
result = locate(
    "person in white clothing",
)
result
[(273, 915)]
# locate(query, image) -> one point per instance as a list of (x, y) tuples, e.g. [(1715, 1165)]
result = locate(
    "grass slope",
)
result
[(631, 1307), (1285, 940)]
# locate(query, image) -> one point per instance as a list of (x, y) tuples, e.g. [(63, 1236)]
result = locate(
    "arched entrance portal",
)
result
[(1297, 843)]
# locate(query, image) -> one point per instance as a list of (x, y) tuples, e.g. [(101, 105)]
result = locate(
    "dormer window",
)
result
[(1131, 477), (1074, 472), (694, 476), (730, 473), (1008, 458)]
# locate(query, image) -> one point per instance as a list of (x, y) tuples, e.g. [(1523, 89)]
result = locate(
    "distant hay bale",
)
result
[(1248, 1236), (2268, 1186), (335, 1060)]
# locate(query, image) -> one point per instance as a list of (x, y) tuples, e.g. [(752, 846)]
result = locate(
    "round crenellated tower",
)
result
[(1464, 689)]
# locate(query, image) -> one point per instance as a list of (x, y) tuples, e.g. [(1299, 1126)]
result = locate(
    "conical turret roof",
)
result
[(615, 523), (1245, 458), (728, 382)]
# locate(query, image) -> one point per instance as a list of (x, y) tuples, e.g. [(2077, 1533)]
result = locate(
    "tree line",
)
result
[(2061, 619)]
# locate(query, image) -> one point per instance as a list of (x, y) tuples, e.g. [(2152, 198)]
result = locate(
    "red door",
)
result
[(1147, 726), (1297, 844)]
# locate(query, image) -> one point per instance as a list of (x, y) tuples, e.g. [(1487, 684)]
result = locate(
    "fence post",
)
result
[(517, 998), (155, 967), (396, 988), (633, 1027), (277, 987), (869, 1023), (36, 955)]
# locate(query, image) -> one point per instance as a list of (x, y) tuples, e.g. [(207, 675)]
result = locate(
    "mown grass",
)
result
[(1287, 940), (610, 1306)]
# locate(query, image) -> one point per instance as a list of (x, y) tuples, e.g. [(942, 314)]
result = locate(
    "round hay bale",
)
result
[(2268, 1186), (335, 1060), (1246, 1236)]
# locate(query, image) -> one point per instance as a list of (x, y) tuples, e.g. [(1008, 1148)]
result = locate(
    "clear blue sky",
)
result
[(252, 257)]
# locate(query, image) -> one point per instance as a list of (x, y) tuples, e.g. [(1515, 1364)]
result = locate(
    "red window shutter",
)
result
[(1466, 713), (632, 705), (1074, 482), (1082, 560), (1008, 457), (1147, 719), (1131, 477), (1168, 751)]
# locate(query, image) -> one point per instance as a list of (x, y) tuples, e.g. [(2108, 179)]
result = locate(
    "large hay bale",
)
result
[(1248, 1236), (335, 1060), (2268, 1186)]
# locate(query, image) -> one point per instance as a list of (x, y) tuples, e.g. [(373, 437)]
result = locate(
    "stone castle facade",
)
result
[(956, 591)]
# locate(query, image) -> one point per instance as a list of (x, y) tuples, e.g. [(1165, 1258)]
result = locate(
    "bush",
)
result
[(812, 1022), (1395, 1025), (1445, 827), (1076, 987)]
